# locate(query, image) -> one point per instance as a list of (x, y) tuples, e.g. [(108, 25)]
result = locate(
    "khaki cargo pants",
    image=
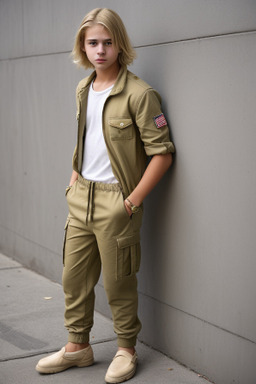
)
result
[(100, 233)]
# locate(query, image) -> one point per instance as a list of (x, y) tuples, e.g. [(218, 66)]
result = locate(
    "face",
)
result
[(99, 48)]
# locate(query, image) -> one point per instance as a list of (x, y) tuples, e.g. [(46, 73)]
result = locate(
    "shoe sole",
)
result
[(60, 369), (112, 380)]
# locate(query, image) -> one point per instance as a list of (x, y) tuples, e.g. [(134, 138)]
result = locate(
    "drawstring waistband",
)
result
[(92, 186), (115, 187)]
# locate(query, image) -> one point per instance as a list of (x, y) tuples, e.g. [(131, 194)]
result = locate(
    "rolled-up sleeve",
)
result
[(154, 131)]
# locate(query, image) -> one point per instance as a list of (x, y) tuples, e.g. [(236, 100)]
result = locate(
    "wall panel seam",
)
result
[(192, 39), (29, 240), (198, 318), (199, 38), (195, 317)]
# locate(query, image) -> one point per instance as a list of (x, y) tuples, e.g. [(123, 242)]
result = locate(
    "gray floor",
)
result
[(31, 325)]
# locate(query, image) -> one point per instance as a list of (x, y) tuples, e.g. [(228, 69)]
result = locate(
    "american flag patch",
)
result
[(160, 121)]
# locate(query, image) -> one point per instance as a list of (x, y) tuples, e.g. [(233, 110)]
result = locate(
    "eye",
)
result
[(108, 43), (92, 43)]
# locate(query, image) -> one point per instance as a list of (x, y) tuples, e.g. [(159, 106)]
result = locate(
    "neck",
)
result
[(107, 77)]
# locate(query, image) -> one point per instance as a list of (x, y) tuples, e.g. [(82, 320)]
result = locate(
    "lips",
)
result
[(100, 60)]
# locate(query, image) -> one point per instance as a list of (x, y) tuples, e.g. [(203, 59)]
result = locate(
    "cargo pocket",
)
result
[(121, 129), (128, 255), (64, 240)]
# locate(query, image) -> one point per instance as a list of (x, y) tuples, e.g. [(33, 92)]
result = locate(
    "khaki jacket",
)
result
[(129, 127)]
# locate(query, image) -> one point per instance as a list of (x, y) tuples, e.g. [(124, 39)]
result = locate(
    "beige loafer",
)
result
[(62, 360), (122, 368)]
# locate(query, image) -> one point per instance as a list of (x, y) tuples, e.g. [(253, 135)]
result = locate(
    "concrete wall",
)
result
[(197, 280)]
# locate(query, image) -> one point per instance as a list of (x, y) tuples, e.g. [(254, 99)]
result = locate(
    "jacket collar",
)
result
[(118, 86)]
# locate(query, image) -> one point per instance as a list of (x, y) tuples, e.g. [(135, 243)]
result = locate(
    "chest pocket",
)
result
[(121, 129)]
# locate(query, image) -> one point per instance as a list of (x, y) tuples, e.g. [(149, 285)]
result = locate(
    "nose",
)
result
[(101, 49)]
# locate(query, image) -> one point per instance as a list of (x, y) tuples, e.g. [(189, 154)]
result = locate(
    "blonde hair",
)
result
[(113, 23)]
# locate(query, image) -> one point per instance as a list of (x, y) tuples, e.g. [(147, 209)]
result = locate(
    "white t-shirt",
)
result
[(96, 164)]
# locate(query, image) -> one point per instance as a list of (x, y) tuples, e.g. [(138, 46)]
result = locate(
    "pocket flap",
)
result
[(120, 123), (127, 241)]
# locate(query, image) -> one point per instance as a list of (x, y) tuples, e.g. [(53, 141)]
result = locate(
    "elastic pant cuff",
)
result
[(78, 338), (126, 343)]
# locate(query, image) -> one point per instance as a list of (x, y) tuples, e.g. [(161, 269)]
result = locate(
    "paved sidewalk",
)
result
[(31, 326)]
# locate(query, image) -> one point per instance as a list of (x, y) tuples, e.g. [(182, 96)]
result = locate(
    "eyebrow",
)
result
[(105, 40)]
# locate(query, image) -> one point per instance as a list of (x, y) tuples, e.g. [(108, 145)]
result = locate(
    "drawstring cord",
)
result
[(92, 200), (90, 203)]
